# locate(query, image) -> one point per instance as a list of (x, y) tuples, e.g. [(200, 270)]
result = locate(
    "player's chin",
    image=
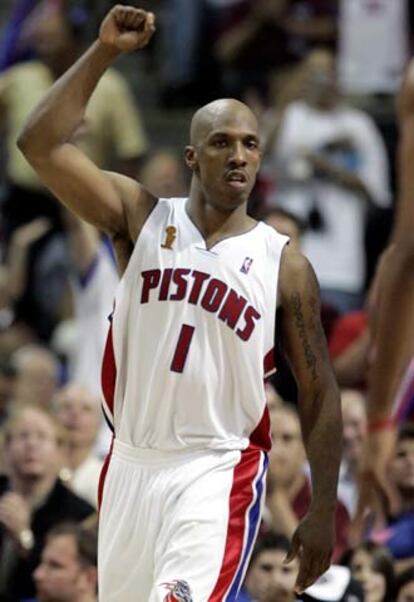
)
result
[(233, 198)]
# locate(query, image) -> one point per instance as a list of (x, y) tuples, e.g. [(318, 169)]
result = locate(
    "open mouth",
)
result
[(236, 179)]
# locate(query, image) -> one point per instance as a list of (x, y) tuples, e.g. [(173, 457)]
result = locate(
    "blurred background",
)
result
[(321, 76)]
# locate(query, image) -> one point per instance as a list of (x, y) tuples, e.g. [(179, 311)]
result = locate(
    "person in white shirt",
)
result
[(373, 45), (354, 416), (333, 165), (78, 411)]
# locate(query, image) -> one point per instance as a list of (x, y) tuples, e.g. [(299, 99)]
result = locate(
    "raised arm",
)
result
[(319, 410), (393, 328), (395, 312), (111, 202)]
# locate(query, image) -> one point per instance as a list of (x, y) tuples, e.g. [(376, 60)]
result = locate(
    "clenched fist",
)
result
[(126, 28)]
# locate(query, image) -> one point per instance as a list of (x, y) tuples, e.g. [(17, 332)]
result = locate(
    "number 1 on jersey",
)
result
[(183, 345)]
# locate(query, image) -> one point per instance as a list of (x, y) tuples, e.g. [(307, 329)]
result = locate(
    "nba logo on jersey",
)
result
[(247, 264), (179, 592)]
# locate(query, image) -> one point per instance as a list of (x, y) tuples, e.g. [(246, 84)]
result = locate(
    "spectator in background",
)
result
[(32, 499), (27, 279), (79, 414), (181, 39), (332, 165), (264, 40), (398, 530), (37, 376), (286, 223), (373, 45), (111, 135), (68, 568), (7, 384), (371, 565), (163, 174), (11, 48), (354, 420), (288, 494), (405, 586), (268, 577), (93, 281)]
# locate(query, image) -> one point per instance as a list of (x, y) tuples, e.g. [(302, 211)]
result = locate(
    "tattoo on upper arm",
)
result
[(310, 357), (306, 316)]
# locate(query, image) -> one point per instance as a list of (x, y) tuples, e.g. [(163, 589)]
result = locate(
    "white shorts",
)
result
[(178, 526)]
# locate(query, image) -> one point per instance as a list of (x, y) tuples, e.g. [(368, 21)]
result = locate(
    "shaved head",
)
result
[(224, 154), (219, 113)]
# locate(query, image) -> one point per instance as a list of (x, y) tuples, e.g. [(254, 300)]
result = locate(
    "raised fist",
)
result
[(127, 28)]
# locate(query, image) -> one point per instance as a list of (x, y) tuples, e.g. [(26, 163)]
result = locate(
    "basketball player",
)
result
[(391, 392), (190, 343)]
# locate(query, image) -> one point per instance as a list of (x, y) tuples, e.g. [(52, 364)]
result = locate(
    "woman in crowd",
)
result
[(372, 565)]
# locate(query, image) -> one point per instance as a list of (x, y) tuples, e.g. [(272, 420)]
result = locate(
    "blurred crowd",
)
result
[(321, 76)]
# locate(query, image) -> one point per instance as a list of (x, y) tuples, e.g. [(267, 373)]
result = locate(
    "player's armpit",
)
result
[(137, 203)]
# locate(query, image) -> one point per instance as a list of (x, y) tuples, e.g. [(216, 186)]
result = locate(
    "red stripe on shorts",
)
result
[(241, 497), (269, 363), (108, 375), (102, 476)]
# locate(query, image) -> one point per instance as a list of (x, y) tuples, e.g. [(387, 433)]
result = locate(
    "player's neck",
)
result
[(215, 223)]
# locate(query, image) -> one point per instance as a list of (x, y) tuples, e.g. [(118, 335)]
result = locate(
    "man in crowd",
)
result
[(398, 532), (333, 166), (79, 413), (269, 577), (354, 416), (37, 376), (68, 567), (32, 499)]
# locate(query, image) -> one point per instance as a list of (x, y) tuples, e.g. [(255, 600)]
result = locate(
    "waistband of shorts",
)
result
[(156, 456)]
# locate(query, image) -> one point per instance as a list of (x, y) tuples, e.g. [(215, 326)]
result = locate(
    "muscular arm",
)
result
[(393, 327), (111, 202), (394, 331), (305, 347), (319, 410)]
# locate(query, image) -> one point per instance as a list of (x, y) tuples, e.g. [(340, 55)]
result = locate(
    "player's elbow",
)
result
[(26, 143), (33, 143), (36, 153)]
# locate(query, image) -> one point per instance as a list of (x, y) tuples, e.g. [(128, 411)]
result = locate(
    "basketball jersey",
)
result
[(192, 335)]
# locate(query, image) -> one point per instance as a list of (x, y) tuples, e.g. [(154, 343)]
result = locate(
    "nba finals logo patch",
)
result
[(179, 592), (170, 236), (247, 264)]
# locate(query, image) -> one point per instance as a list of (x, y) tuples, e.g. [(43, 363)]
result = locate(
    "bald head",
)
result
[(219, 113)]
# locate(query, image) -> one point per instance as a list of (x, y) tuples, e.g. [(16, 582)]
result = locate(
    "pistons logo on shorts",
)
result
[(179, 592)]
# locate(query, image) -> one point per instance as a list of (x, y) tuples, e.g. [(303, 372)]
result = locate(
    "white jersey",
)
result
[(192, 336)]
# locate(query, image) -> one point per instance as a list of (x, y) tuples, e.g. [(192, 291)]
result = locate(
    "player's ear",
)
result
[(190, 155)]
